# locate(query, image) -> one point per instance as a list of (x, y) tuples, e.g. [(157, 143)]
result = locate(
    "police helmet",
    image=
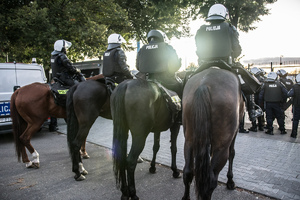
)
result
[(255, 71), (272, 76), (157, 35), (217, 12), (115, 40), (281, 73), (62, 45), (298, 78)]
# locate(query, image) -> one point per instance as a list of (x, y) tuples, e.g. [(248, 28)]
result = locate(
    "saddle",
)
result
[(59, 92), (249, 84), (172, 99)]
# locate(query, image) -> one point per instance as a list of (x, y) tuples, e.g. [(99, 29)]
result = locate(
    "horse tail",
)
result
[(18, 124), (202, 140), (120, 133), (72, 121)]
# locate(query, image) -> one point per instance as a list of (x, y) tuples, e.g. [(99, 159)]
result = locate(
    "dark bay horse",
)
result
[(85, 102), (138, 106), (31, 105), (212, 109)]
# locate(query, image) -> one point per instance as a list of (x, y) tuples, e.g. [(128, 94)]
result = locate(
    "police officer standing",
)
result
[(61, 66), (295, 93), (160, 61), (288, 83), (114, 60), (219, 40), (273, 93)]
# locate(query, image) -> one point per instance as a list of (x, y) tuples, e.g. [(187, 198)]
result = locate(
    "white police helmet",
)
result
[(255, 70), (272, 76), (298, 78), (61, 45), (217, 12), (281, 72), (115, 40)]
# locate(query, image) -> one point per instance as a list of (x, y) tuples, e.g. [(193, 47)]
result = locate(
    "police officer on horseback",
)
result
[(218, 43), (273, 93), (114, 60), (62, 68), (160, 61)]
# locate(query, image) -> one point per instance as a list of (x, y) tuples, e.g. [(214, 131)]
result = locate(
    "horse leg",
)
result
[(156, 147), (174, 134), (188, 174), (25, 140), (83, 152), (137, 146), (230, 183)]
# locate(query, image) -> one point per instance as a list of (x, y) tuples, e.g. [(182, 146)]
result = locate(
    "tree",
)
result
[(242, 14), (30, 28)]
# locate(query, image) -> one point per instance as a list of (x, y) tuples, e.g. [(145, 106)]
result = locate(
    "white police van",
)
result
[(13, 76)]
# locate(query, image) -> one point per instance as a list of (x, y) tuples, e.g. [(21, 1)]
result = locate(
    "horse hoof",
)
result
[(231, 186), (80, 178), (124, 197), (135, 198), (36, 165), (176, 174), (85, 156), (152, 170), (84, 172)]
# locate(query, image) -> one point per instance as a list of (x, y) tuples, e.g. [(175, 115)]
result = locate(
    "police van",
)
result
[(13, 76)]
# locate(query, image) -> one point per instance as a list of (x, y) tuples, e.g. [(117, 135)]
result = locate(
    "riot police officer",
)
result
[(160, 61), (62, 68), (219, 40), (114, 60), (295, 93), (259, 74), (288, 83), (273, 93)]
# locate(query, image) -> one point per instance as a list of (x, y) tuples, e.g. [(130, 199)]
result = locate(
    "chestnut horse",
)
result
[(139, 106), (31, 105), (212, 108)]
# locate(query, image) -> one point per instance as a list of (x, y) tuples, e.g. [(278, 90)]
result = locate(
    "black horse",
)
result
[(212, 108), (139, 106), (85, 102)]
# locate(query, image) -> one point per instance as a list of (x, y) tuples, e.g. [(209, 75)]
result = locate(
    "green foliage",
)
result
[(242, 14), (30, 28)]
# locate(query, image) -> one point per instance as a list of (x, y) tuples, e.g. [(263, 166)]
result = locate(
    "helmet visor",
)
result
[(67, 44)]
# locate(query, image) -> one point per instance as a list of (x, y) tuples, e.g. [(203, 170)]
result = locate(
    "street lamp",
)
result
[(280, 58)]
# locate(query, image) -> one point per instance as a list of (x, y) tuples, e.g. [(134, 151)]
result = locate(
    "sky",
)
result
[(277, 34)]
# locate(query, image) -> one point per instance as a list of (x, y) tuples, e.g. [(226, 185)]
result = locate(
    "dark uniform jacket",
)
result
[(287, 83), (157, 58), (218, 40), (61, 64), (114, 63), (295, 93)]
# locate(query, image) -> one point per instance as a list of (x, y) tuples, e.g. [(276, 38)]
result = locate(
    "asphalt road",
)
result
[(54, 179)]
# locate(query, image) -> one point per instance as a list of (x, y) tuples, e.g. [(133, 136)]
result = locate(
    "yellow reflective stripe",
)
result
[(62, 91), (176, 99)]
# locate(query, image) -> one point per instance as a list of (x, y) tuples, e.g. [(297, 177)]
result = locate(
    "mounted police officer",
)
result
[(114, 60), (295, 93), (160, 61), (273, 93), (219, 41), (62, 68)]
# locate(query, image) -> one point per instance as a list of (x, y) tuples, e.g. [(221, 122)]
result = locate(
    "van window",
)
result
[(24, 77)]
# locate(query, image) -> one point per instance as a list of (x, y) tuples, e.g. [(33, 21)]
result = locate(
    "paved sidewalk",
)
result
[(265, 164)]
